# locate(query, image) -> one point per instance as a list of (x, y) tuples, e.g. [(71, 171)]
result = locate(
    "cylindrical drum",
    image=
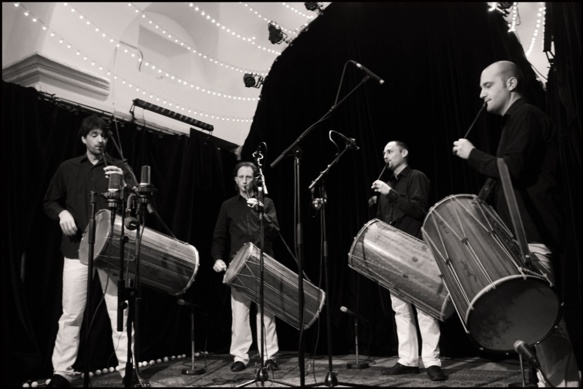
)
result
[(166, 264), (498, 299), (280, 286), (402, 264)]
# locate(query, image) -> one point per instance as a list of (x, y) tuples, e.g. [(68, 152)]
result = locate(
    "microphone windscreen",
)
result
[(145, 176), (115, 180)]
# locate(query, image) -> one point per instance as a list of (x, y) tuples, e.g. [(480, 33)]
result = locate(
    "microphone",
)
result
[(145, 176), (371, 74), (351, 142), (522, 348), (352, 313), (185, 303), (115, 181), (131, 222)]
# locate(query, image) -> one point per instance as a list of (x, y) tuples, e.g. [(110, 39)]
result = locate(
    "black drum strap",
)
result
[(514, 212)]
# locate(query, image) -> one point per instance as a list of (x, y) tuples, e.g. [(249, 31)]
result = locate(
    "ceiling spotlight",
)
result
[(276, 36), (313, 7), (502, 7), (252, 80)]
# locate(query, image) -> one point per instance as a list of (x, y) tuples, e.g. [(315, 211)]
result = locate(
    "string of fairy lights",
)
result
[(296, 31), (514, 17), (117, 45), (165, 32), (135, 54), (157, 68), (107, 370), (207, 16), (540, 25)]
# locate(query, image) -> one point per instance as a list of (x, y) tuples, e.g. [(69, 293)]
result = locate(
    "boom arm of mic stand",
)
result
[(325, 171), (307, 131)]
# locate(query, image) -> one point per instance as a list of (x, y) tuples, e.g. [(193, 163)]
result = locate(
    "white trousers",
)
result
[(74, 301), (407, 335), (555, 353), (241, 335)]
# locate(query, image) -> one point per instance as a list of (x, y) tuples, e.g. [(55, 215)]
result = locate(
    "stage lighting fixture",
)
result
[(276, 36), (171, 114), (313, 7), (502, 8), (252, 80)]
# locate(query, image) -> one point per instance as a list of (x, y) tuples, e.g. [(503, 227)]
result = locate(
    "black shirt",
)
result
[(238, 224), (406, 204), (70, 189), (528, 146)]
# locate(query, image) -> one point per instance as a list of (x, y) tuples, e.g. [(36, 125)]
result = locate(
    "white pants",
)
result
[(241, 335), (407, 335), (74, 301), (555, 353)]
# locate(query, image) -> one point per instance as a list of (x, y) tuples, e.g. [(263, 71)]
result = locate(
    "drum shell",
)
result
[(280, 292), (166, 264), (402, 264), (498, 300)]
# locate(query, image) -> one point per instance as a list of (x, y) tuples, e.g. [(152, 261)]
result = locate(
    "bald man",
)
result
[(529, 149)]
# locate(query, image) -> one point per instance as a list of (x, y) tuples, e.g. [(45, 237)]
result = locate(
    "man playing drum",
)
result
[(529, 149), (237, 224), (67, 200), (403, 203)]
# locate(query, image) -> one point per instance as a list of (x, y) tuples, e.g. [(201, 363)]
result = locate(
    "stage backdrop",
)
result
[(430, 57)]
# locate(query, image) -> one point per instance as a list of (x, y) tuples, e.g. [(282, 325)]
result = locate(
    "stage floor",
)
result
[(461, 372)]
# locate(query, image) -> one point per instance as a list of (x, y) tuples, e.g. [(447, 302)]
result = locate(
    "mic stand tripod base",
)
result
[(357, 365), (531, 378), (193, 371)]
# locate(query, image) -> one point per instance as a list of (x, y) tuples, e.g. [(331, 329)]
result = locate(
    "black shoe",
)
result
[(271, 364), (58, 381), (400, 369), (130, 380), (436, 374), (238, 366)]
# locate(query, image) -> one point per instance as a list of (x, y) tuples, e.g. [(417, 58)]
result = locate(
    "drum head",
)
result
[(102, 231), (515, 308), (238, 262)]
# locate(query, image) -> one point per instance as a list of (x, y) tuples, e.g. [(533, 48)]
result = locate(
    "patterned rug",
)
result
[(217, 373)]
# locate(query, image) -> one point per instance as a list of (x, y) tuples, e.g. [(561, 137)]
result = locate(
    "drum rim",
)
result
[(97, 246), (234, 268), (492, 286), (360, 232), (194, 273), (449, 198)]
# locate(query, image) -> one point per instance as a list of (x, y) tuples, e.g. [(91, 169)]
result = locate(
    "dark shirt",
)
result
[(529, 148), (70, 189), (238, 224), (406, 204)]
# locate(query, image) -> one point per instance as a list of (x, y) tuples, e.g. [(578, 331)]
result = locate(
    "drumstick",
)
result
[(382, 171), (476, 118), (103, 156)]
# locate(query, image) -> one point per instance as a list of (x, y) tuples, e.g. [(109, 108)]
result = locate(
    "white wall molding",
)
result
[(44, 74)]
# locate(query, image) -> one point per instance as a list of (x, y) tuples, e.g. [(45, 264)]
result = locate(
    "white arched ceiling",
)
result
[(189, 58)]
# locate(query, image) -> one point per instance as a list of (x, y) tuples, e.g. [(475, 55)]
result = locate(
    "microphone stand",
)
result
[(331, 379), (145, 191), (87, 318), (297, 153)]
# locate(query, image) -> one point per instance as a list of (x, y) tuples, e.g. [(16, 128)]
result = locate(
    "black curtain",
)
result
[(430, 57), (563, 28), (192, 177)]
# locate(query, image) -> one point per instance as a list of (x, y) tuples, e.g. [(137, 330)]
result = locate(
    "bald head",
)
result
[(500, 84), (506, 70)]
